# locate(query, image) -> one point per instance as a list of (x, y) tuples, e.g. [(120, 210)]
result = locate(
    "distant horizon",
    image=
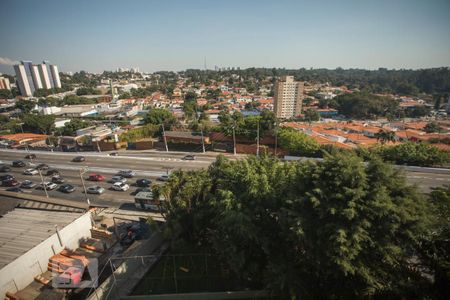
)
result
[(240, 68), (177, 35)]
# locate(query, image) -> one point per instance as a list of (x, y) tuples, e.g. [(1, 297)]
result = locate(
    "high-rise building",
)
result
[(55, 75), (34, 77), (4, 83), (22, 80), (289, 96)]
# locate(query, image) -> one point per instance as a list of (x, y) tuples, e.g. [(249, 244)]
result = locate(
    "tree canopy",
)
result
[(364, 105), (335, 229)]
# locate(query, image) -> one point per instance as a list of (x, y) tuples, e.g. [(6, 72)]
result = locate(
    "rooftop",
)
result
[(23, 229)]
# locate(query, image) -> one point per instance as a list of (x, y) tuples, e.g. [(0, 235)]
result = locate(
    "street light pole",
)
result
[(82, 171), (203, 141), (257, 139), (234, 141), (276, 137), (164, 136), (43, 184)]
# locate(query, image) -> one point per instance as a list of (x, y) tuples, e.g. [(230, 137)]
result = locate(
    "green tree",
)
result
[(158, 116), (432, 127), (385, 136), (312, 115), (297, 143), (335, 229), (25, 105), (39, 124)]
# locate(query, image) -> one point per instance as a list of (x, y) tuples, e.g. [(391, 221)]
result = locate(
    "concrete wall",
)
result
[(21, 272)]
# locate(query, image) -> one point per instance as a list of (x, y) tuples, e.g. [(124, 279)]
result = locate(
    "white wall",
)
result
[(21, 272)]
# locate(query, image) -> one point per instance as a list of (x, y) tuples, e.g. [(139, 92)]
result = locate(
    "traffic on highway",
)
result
[(36, 175)]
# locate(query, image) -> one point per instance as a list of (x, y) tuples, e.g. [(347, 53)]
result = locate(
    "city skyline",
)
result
[(176, 35)]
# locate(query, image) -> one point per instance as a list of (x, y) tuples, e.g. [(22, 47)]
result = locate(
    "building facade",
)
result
[(289, 96), (4, 83), (31, 78)]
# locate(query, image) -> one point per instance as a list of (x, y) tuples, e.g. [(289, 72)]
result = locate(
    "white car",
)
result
[(120, 186), (49, 186), (118, 179), (30, 172)]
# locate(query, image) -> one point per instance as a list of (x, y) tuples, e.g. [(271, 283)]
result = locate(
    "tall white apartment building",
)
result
[(31, 78), (289, 96), (4, 83)]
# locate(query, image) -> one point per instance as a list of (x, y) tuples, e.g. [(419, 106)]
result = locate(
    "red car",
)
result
[(11, 182), (96, 177)]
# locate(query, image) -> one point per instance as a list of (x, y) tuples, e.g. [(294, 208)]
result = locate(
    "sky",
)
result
[(97, 35)]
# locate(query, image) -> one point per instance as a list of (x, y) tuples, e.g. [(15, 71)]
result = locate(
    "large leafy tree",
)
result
[(334, 229), (39, 124), (158, 116), (297, 143)]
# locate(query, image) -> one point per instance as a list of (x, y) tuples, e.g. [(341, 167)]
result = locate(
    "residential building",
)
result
[(31, 78), (22, 81), (4, 83), (289, 96)]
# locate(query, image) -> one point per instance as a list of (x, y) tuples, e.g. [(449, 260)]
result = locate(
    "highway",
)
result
[(148, 165)]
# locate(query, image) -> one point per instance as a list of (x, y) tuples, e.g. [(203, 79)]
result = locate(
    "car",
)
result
[(115, 179), (78, 159), (57, 179), (113, 154), (189, 157), (95, 189), (143, 189), (18, 163), (48, 186), (66, 188), (52, 172), (42, 167), (14, 189), (163, 178), (30, 172), (126, 173), (96, 177), (120, 186), (5, 168), (27, 184), (30, 156), (7, 177), (10, 182), (143, 182)]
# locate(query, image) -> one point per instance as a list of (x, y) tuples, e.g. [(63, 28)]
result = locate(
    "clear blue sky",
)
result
[(96, 35)]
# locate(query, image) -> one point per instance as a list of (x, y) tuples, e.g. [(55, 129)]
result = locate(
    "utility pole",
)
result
[(43, 184), (164, 136), (234, 139), (82, 171), (276, 137), (257, 139), (203, 141)]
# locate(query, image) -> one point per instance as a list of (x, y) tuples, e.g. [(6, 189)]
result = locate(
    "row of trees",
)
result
[(335, 229)]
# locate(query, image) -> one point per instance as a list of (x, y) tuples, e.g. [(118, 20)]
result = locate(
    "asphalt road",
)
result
[(146, 165)]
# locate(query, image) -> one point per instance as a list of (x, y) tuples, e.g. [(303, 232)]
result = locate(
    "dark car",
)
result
[(143, 182), (126, 173), (7, 177), (30, 156), (18, 163), (189, 157), (66, 188), (27, 184), (42, 167), (113, 154), (52, 172), (78, 159), (5, 168), (10, 182), (14, 189), (57, 179)]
